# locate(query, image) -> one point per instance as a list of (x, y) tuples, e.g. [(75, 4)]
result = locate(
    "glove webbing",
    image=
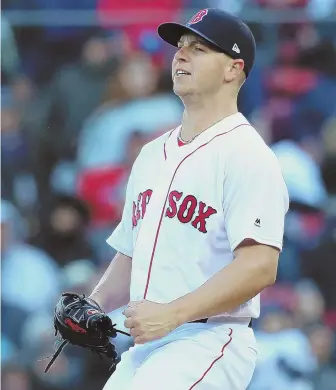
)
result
[(56, 354), (64, 344)]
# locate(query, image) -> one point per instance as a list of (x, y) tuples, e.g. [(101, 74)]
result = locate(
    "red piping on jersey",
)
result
[(164, 145), (213, 362), (164, 206)]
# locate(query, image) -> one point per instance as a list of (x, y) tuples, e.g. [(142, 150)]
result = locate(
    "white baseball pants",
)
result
[(195, 356)]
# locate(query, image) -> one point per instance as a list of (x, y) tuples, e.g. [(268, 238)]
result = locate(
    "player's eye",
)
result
[(199, 48)]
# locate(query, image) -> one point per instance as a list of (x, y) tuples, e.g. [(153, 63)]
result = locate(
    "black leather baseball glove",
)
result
[(81, 321)]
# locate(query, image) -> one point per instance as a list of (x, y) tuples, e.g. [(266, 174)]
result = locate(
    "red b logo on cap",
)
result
[(199, 16)]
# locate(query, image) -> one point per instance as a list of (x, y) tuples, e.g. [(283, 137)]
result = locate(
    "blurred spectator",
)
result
[(311, 110), (33, 104), (38, 338), (104, 188), (16, 156), (328, 166), (285, 357), (133, 102), (75, 92), (13, 318), (80, 276), (10, 61), (28, 106), (328, 169), (252, 96), (322, 342), (310, 304), (328, 134), (141, 35), (319, 265), (282, 3), (16, 377), (21, 263), (321, 57), (62, 230), (232, 6), (321, 8), (296, 162), (44, 47), (8, 350)]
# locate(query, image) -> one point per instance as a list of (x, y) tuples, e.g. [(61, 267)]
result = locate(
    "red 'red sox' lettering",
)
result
[(187, 209), (139, 208), (172, 209), (203, 214)]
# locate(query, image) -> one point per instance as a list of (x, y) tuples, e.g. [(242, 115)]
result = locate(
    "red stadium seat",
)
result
[(291, 81), (103, 190)]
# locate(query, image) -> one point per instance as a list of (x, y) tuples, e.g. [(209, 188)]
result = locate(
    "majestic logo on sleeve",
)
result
[(198, 17), (187, 209)]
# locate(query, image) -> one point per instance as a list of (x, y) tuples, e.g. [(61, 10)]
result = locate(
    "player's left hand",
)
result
[(148, 320)]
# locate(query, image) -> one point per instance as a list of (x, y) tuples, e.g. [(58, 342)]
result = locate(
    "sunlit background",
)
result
[(85, 84)]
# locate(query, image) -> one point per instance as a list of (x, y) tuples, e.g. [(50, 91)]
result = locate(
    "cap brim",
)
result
[(172, 32)]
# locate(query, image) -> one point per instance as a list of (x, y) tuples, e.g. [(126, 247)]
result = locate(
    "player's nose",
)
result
[(182, 54)]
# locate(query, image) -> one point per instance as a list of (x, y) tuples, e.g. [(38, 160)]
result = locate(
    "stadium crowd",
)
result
[(77, 105)]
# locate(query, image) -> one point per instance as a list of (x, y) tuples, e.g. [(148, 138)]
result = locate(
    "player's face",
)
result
[(197, 68)]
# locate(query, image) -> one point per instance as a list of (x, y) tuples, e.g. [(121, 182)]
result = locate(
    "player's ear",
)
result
[(234, 68)]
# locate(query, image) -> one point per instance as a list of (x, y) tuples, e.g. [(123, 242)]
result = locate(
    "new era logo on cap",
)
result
[(236, 48)]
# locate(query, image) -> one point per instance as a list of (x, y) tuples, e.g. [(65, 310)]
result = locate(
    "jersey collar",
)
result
[(227, 124)]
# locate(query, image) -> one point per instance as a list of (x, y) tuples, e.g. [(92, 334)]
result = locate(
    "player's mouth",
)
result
[(181, 72)]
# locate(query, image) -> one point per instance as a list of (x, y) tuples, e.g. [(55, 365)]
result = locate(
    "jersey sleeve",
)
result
[(255, 198), (122, 237)]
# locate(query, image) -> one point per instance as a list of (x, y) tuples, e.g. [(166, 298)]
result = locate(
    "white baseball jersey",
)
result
[(188, 207)]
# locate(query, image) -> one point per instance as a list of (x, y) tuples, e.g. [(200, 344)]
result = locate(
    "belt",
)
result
[(205, 320)]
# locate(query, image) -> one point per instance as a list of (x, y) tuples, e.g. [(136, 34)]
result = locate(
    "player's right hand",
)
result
[(149, 320)]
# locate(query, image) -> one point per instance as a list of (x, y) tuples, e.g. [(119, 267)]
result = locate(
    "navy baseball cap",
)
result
[(224, 31)]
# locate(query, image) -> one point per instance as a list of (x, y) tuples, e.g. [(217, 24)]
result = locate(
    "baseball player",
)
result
[(202, 225)]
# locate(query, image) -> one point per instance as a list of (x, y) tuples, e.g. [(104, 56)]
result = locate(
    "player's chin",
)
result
[(182, 90)]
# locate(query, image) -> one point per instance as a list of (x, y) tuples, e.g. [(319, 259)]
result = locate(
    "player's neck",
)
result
[(199, 116)]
